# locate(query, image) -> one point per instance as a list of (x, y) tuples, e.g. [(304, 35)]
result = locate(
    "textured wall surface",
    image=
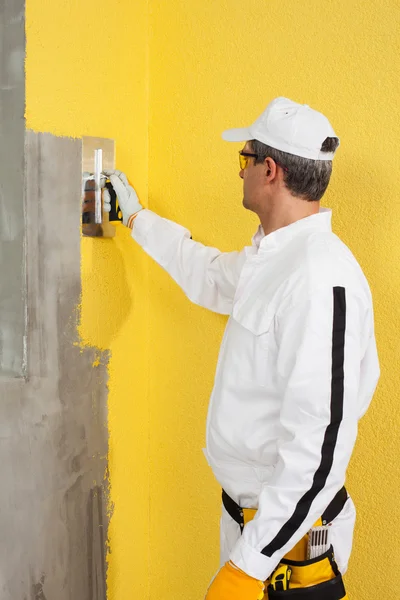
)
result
[(12, 132), (214, 65), (88, 76), (53, 425)]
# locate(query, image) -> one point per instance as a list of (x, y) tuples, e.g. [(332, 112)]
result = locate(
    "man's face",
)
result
[(253, 182)]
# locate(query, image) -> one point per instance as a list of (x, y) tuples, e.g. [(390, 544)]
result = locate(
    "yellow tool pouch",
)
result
[(307, 580), (296, 578)]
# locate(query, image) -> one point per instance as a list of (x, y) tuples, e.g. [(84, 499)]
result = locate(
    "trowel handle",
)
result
[(115, 214)]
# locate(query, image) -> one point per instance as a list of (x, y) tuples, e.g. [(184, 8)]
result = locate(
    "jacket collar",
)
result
[(321, 221)]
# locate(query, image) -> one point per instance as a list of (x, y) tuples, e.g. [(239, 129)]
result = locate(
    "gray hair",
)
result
[(305, 178)]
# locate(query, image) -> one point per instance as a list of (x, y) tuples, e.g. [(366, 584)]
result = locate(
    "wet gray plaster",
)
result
[(12, 132), (53, 425)]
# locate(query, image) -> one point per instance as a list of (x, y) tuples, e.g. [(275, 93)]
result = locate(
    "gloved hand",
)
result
[(233, 584), (127, 197)]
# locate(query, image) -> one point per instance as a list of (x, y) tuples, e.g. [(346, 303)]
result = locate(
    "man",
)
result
[(298, 364)]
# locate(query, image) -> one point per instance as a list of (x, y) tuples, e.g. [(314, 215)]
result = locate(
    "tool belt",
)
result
[(295, 576), (243, 515)]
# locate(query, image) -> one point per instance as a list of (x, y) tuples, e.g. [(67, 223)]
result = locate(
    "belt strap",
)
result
[(233, 509), (329, 514), (335, 507)]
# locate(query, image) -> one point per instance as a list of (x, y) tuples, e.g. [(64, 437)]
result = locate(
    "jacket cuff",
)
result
[(143, 222), (252, 561)]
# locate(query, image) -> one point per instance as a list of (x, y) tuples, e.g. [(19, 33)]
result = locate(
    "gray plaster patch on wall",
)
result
[(12, 133), (37, 590), (53, 425)]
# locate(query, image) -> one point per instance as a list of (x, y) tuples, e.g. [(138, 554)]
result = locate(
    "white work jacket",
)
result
[(297, 368)]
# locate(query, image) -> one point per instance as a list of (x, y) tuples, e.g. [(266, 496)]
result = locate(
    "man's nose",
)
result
[(241, 173)]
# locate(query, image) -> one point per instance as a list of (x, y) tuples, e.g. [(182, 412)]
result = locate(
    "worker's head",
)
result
[(292, 147)]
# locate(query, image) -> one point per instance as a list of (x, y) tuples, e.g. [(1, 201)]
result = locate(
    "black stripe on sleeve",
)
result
[(331, 434)]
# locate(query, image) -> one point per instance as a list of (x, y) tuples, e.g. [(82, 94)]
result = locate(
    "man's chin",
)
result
[(245, 204)]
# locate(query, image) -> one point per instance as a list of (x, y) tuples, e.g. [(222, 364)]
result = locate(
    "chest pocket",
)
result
[(253, 342)]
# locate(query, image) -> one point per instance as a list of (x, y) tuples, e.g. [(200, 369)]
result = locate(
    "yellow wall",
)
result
[(205, 66)]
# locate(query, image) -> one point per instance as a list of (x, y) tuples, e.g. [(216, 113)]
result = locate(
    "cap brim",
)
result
[(237, 135)]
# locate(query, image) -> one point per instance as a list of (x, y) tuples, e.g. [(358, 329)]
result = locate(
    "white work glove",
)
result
[(127, 197)]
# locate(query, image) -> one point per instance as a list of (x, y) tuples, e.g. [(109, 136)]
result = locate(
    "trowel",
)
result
[(98, 154)]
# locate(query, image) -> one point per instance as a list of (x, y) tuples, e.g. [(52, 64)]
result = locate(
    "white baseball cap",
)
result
[(288, 126)]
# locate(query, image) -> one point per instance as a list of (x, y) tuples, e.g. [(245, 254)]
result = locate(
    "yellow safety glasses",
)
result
[(244, 158)]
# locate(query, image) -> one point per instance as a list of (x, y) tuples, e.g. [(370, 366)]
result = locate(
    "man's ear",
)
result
[(270, 167)]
